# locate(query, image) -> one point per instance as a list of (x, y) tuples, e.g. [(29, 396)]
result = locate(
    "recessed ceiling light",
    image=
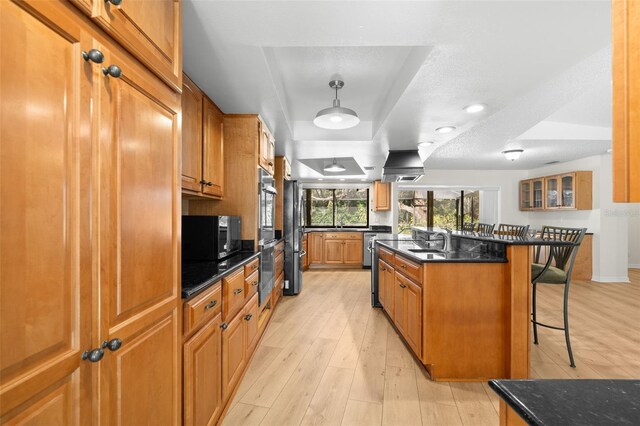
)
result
[(342, 179), (335, 167), (610, 150), (473, 108), (336, 117), (445, 129), (363, 180), (320, 179), (512, 154), (425, 144)]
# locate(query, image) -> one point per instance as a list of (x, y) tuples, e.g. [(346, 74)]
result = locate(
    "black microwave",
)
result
[(210, 237)]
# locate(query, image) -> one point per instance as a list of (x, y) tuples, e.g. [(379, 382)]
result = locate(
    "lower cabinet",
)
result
[(250, 317), (233, 353), (203, 365), (336, 248)]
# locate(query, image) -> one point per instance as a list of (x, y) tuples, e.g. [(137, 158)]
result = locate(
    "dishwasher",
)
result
[(367, 237)]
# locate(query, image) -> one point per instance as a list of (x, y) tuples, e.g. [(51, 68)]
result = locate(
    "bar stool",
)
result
[(469, 226), (513, 230), (485, 228), (562, 258)]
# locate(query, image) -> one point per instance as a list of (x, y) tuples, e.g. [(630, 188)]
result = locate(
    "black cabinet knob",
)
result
[(237, 291), (203, 182), (403, 286), (94, 55), (93, 355), (224, 325), (112, 71), (248, 317), (113, 344)]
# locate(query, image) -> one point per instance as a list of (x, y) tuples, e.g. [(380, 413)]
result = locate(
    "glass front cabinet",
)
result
[(567, 191)]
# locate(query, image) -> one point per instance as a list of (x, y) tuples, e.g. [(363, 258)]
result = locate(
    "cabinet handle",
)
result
[(403, 286), (210, 305), (224, 325), (94, 55), (112, 71), (113, 344), (113, 2), (203, 182), (237, 291), (403, 266), (93, 355), (209, 183), (382, 269), (255, 283), (248, 317), (271, 163)]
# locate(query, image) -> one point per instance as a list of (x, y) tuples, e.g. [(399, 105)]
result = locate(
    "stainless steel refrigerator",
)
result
[(293, 230)]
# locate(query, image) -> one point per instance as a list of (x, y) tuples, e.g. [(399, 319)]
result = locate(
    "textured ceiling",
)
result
[(409, 67)]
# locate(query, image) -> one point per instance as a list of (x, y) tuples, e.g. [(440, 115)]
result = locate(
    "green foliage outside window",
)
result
[(337, 207), (414, 208)]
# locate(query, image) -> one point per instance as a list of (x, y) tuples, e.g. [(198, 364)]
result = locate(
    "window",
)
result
[(337, 207), (442, 208)]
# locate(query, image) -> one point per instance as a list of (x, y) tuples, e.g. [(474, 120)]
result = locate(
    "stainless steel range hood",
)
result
[(403, 166)]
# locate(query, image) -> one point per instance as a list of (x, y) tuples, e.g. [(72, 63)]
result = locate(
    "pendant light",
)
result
[(335, 167), (336, 117)]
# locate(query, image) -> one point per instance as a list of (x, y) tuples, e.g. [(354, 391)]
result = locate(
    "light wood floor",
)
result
[(329, 358)]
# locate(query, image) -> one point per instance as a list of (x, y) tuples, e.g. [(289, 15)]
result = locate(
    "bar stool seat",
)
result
[(552, 275)]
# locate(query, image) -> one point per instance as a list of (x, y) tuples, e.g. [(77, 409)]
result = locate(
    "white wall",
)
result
[(634, 235)]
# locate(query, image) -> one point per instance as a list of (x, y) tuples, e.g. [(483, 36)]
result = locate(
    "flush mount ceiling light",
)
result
[(336, 117), (473, 108), (445, 129), (512, 154), (425, 144), (334, 167)]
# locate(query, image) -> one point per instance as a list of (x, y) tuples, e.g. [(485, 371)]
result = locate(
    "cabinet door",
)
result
[(353, 252), (333, 251), (233, 354), (271, 156), (250, 318), (525, 195), (413, 304), (213, 146), (389, 284), (233, 294), (537, 196), (191, 136), (203, 375), (263, 149), (151, 31), (552, 189), (316, 252), (45, 216), (381, 196), (305, 256), (568, 190), (399, 303), (382, 284), (139, 207)]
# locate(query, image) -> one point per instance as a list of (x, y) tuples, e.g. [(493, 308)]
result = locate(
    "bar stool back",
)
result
[(514, 230), (469, 226), (556, 270), (485, 228)]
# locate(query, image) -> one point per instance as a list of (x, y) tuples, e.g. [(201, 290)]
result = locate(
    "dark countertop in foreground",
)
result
[(572, 402), (457, 256), (197, 276), (494, 238)]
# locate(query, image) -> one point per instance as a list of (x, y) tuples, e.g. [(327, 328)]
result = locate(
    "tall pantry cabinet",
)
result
[(89, 218)]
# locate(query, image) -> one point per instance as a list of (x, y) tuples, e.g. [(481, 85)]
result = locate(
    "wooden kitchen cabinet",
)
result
[(413, 307), (106, 152), (233, 353), (525, 195), (267, 149), (352, 252), (212, 149), (399, 307), (282, 173), (152, 32), (250, 317), (192, 102), (233, 293), (567, 191), (381, 196), (316, 248), (389, 296), (202, 399), (626, 100), (305, 255), (334, 252), (336, 248)]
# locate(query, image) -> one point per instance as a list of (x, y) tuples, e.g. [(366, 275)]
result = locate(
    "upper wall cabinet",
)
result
[(267, 150), (626, 101), (381, 196), (151, 31), (202, 143), (568, 191)]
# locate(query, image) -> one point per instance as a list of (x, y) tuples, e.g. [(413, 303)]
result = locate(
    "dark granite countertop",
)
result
[(405, 247), (494, 238), (197, 276), (372, 228), (572, 402)]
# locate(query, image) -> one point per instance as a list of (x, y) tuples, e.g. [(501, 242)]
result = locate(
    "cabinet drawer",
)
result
[(251, 267), (386, 255), (233, 294), (251, 284), (279, 264), (409, 269), (343, 235), (202, 308)]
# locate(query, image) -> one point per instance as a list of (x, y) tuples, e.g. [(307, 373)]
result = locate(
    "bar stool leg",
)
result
[(533, 315), (566, 325)]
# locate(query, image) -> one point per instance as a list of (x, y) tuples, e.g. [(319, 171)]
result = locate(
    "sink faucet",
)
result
[(446, 239)]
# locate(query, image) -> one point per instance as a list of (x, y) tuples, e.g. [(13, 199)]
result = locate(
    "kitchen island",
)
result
[(463, 311)]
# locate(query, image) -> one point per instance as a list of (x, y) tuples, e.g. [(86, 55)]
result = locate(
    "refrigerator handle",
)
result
[(302, 253)]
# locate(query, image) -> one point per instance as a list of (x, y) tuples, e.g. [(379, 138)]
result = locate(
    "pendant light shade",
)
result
[(334, 167), (336, 117)]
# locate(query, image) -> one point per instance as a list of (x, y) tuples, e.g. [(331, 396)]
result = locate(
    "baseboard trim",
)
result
[(606, 279), (634, 266)]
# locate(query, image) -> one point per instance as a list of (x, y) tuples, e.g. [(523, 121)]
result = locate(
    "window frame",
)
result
[(333, 225), (430, 204)]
